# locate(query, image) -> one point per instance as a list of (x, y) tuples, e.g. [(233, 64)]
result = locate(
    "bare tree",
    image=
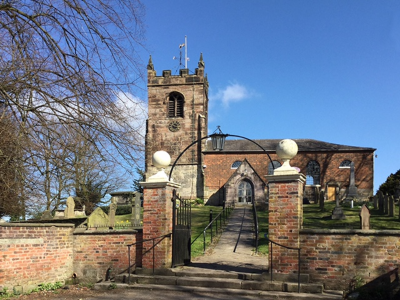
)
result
[(11, 169), (73, 62)]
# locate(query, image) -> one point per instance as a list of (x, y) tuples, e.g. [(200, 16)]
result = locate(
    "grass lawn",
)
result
[(313, 218), (200, 219)]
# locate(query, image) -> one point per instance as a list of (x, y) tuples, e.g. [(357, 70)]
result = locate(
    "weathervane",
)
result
[(180, 53)]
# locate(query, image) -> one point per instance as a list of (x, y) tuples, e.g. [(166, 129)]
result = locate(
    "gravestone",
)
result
[(46, 215), (321, 200), (111, 213), (352, 186), (317, 191), (364, 217), (381, 202), (70, 211), (385, 204), (375, 199), (98, 218), (136, 210), (391, 206), (337, 213)]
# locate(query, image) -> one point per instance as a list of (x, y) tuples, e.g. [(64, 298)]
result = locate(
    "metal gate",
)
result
[(181, 237)]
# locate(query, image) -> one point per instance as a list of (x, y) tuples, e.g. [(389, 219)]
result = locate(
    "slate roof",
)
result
[(305, 145)]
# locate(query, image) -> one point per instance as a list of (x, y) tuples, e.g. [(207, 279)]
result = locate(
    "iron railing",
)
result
[(290, 248), (160, 239), (221, 217), (256, 231)]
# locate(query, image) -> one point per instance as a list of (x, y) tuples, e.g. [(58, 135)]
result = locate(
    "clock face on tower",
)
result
[(174, 126)]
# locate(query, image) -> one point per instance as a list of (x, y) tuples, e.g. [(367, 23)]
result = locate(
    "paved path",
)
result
[(235, 248)]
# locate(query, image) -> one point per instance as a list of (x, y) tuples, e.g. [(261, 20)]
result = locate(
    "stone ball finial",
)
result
[(161, 159), (286, 150)]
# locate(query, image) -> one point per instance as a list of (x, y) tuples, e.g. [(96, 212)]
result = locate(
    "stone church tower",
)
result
[(177, 117)]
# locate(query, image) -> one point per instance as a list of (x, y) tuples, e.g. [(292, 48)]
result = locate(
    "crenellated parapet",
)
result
[(184, 77)]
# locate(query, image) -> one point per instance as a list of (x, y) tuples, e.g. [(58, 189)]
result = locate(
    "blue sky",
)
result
[(325, 70)]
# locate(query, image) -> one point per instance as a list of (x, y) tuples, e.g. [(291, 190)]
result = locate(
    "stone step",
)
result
[(249, 283), (199, 272), (234, 293)]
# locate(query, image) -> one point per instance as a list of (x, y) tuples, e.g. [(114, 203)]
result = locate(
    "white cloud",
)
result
[(133, 109), (234, 92)]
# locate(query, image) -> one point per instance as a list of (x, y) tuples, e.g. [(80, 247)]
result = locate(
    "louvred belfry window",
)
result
[(175, 105)]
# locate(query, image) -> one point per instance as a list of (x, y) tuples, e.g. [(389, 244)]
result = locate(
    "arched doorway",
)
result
[(245, 192)]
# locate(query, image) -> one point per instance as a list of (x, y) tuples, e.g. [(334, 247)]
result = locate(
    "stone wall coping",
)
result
[(106, 232), (160, 184), (349, 232), (37, 225), (286, 177)]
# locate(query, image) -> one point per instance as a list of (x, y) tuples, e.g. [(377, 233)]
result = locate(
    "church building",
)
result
[(178, 118)]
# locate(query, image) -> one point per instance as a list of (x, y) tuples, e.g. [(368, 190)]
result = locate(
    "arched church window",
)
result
[(245, 192), (276, 165), (313, 173), (236, 164), (175, 105), (345, 164)]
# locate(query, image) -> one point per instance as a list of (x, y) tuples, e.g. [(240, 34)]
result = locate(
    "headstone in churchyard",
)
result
[(98, 219), (375, 199), (381, 202), (321, 200), (70, 211), (385, 204), (46, 215), (397, 194), (111, 213), (352, 185), (136, 210), (316, 194), (337, 213), (391, 206), (364, 217)]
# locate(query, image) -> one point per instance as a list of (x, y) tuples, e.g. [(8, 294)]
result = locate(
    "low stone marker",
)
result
[(364, 217), (46, 215), (97, 219)]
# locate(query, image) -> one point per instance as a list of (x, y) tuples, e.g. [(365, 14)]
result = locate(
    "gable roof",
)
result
[(305, 145), (244, 164)]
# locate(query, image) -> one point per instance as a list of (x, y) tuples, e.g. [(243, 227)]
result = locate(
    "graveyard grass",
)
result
[(200, 219), (314, 218)]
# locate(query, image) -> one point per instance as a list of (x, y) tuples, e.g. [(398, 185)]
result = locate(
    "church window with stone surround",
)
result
[(313, 173), (345, 164), (236, 164), (175, 105), (277, 164)]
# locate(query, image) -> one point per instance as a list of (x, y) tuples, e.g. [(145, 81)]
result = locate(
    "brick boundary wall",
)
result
[(335, 256), (31, 254), (95, 252)]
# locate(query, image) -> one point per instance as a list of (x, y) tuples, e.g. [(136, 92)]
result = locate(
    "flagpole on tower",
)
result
[(186, 58)]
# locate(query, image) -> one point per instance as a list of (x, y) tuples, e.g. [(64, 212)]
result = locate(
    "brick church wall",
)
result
[(218, 168)]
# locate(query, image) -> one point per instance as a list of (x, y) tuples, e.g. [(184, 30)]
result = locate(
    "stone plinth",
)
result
[(285, 219)]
